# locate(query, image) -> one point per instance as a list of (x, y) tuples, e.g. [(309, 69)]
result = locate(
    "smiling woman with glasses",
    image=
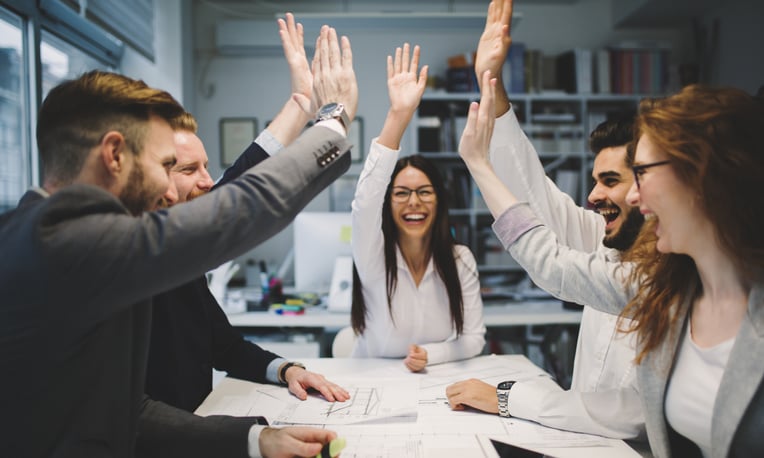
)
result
[(416, 294)]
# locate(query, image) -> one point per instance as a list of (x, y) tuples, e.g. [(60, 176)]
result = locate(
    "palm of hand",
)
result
[(405, 92), (492, 50), (302, 78)]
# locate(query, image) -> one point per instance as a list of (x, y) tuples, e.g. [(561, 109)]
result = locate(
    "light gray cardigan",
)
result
[(571, 275)]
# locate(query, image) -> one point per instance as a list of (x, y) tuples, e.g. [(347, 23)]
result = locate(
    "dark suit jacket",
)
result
[(190, 334), (76, 277)]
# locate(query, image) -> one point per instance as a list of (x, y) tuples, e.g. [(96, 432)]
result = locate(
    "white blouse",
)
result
[(420, 315), (692, 389)]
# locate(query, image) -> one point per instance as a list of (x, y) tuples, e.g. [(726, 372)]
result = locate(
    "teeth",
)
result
[(649, 216), (414, 217)]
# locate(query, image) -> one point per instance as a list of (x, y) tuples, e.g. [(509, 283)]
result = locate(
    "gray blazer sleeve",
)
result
[(167, 432), (109, 260)]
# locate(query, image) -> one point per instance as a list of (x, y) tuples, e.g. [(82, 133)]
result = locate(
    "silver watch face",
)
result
[(328, 111)]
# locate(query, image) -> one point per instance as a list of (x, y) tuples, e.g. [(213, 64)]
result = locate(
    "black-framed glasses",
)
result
[(639, 170), (401, 194)]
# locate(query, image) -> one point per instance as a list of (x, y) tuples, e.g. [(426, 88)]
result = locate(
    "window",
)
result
[(62, 61), (50, 36), (15, 171)]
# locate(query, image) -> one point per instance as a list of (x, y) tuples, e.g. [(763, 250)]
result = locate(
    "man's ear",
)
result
[(113, 152)]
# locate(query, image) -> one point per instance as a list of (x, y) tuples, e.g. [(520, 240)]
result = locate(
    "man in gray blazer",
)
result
[(83, 256)]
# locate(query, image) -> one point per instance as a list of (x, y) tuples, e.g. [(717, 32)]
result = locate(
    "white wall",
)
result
[(739, 60), (258, 86), (166, 72)]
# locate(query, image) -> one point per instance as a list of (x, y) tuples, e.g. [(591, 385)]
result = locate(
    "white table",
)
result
[(432, 429), (530, 313)]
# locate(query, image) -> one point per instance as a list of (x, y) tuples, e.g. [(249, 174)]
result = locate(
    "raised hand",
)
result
[(333, 76), (405, 87), (292, 40), (493, 46), (473, 146)]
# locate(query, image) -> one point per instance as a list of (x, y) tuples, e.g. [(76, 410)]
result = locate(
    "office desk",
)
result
[(530, 313), (428, 428)]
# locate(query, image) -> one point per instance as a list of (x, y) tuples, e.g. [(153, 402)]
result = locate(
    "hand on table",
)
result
[(293, 441), (300, 380), (416, 359), (473, 393)]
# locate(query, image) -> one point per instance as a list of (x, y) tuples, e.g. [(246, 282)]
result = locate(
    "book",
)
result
[(574, 71), (514, 78)]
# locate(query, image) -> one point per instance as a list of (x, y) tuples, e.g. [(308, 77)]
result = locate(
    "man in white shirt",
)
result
[(604, 397)]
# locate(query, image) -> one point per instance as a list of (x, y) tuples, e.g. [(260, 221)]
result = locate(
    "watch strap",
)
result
[(285, 367)]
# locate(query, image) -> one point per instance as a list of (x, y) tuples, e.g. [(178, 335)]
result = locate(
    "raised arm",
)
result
[(492, 49), (514, 158), (405, 83), (291, 120), (405, 88)]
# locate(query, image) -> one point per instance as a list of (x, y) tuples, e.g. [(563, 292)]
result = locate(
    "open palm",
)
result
[(495, 40), (404, 83)]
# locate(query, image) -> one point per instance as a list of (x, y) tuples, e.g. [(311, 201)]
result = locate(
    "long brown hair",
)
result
[(441, 249), (713, 138)]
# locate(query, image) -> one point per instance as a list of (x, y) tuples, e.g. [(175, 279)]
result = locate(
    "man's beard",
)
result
[(135, 196), (627, 233), (194, 194)]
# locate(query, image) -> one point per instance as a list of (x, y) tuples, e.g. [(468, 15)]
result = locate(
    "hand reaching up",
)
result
[(405, 87), (493, 46), (476, 138), (333, 76), (292, 40)]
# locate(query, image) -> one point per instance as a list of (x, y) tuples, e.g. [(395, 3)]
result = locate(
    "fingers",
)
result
[(415, 59), (390, 67), (405, 58), (506, 14), (347, 54), (423, 78)]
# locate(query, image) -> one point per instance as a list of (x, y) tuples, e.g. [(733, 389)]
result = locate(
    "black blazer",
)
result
[(190, 334)]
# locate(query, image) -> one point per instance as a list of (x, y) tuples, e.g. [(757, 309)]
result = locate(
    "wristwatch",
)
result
[(502, 392), (336, 111), (285, 367)]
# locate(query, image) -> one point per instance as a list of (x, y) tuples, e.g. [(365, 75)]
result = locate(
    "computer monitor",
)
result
[(319, 238)]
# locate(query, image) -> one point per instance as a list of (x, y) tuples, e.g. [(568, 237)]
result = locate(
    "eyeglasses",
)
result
[(639, 170), (402, 194)]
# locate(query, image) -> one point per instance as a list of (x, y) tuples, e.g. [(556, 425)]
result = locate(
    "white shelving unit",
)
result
[(558, 125)]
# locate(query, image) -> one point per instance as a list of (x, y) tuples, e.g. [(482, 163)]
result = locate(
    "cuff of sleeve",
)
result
[(514, 222), (334, 125), (253, 447), (272, 371), (527, 398), (269, 143)]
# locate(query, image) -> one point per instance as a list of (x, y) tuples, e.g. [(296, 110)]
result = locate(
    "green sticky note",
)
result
[(345, 234)]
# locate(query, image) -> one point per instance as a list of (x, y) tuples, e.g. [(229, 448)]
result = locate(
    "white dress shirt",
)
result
[(604, 397), (420, 314)]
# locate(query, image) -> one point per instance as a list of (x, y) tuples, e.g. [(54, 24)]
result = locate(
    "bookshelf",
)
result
[(558, 124)]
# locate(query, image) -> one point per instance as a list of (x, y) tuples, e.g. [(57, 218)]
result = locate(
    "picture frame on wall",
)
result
[(355, 135), (235, 136)]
